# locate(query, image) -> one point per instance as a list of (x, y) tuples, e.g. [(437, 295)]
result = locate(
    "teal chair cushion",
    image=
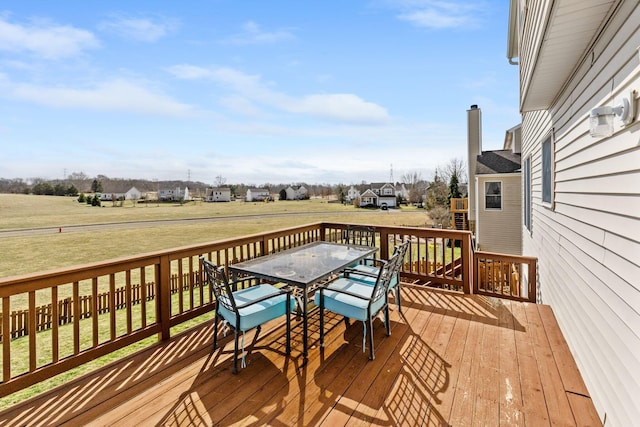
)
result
[(371, 280), (347, 305), (256, 314)]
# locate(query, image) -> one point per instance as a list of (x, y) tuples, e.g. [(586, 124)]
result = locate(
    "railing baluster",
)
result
[(55, 345), (76, 318), (31, 330), (95, 313), (128, 301), (112, 305)]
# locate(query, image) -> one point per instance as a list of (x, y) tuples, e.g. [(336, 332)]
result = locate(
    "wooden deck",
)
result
[(451, 359)]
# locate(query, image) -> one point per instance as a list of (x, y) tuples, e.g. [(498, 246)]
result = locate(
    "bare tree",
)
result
[(416, 186), (456, 167), (220, 181)]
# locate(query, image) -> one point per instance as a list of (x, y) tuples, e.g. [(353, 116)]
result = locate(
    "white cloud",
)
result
[(139, 29), (341, 107), (241, 105), (253, 34), (439, 15), (45, 39), (114, 95)]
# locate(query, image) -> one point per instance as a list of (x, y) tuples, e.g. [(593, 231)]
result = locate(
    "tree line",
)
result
[(449, 181)]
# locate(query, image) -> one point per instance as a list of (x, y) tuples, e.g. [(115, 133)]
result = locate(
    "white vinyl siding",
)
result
[(500, 230), (588, 246)]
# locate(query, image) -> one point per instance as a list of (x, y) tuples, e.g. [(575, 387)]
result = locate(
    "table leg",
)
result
[(305, 324)]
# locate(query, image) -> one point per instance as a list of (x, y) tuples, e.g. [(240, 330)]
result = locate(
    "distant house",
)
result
[(495, 209), (174, 195), (298, 192), (580, 174), (257, 194), (218, 194), (132, 194), (377, 194)]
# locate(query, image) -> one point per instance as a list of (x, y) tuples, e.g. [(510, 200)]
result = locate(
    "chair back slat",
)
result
[(219, 285), (388, 271)]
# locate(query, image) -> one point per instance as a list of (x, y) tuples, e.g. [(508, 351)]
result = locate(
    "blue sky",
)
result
[(253, 91)]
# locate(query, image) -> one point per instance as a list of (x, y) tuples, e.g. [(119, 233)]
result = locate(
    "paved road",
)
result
[(155, 223)]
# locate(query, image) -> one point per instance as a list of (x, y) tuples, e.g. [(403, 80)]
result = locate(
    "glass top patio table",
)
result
[(302, 267)]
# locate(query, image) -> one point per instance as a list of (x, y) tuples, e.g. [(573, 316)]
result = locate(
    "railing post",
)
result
[(533, 278), (468, 265), (323, 231), (384, 245), (163, 306), (264, 246)]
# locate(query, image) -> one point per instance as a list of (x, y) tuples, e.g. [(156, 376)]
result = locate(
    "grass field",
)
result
[(31, 253)]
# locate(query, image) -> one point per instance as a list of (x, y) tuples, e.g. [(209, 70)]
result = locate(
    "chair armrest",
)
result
[(347, 272), (374, 262)]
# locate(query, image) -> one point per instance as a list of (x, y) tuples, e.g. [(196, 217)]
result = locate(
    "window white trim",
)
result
[(547, 171), (499, 196), (527, 210)]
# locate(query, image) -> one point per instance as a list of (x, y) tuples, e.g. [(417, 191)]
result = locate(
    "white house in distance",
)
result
[(218, 194), (297, 192), (581, 181), (257, 194), (132, 194), (176, 194), (377, 194), (496, 180)]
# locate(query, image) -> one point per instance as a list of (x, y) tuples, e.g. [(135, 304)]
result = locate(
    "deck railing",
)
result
[(505, 276), (106, 308)]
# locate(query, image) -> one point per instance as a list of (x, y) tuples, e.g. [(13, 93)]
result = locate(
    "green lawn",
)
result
[(32, 253)]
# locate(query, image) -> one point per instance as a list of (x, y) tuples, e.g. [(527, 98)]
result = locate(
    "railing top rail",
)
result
[(397, 229), (85, 271), (504, 257)]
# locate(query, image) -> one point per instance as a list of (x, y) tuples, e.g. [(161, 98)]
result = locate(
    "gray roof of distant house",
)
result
[(498, 161)]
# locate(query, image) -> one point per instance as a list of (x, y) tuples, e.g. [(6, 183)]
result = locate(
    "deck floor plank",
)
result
[(465, 390), (377, 408), (510, 400), (304, 389), (558, 405), (534, 407), (451, 359)]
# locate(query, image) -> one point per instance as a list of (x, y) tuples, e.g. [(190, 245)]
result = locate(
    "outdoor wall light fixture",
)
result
[(601, 118)]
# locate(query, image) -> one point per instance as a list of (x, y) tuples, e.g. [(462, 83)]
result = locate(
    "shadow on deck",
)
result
[(451, 359)]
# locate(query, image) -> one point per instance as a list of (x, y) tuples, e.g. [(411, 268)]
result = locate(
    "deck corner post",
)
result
[(468, 265), (533, 278)]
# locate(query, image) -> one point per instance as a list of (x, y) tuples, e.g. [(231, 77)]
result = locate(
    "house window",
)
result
[(493, 195), (526, 169), (547, 171)]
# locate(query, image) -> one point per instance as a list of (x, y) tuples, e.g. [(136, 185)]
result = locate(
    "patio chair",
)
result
[(368, 271), (356, 299), (362, 235), (247, 307)]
